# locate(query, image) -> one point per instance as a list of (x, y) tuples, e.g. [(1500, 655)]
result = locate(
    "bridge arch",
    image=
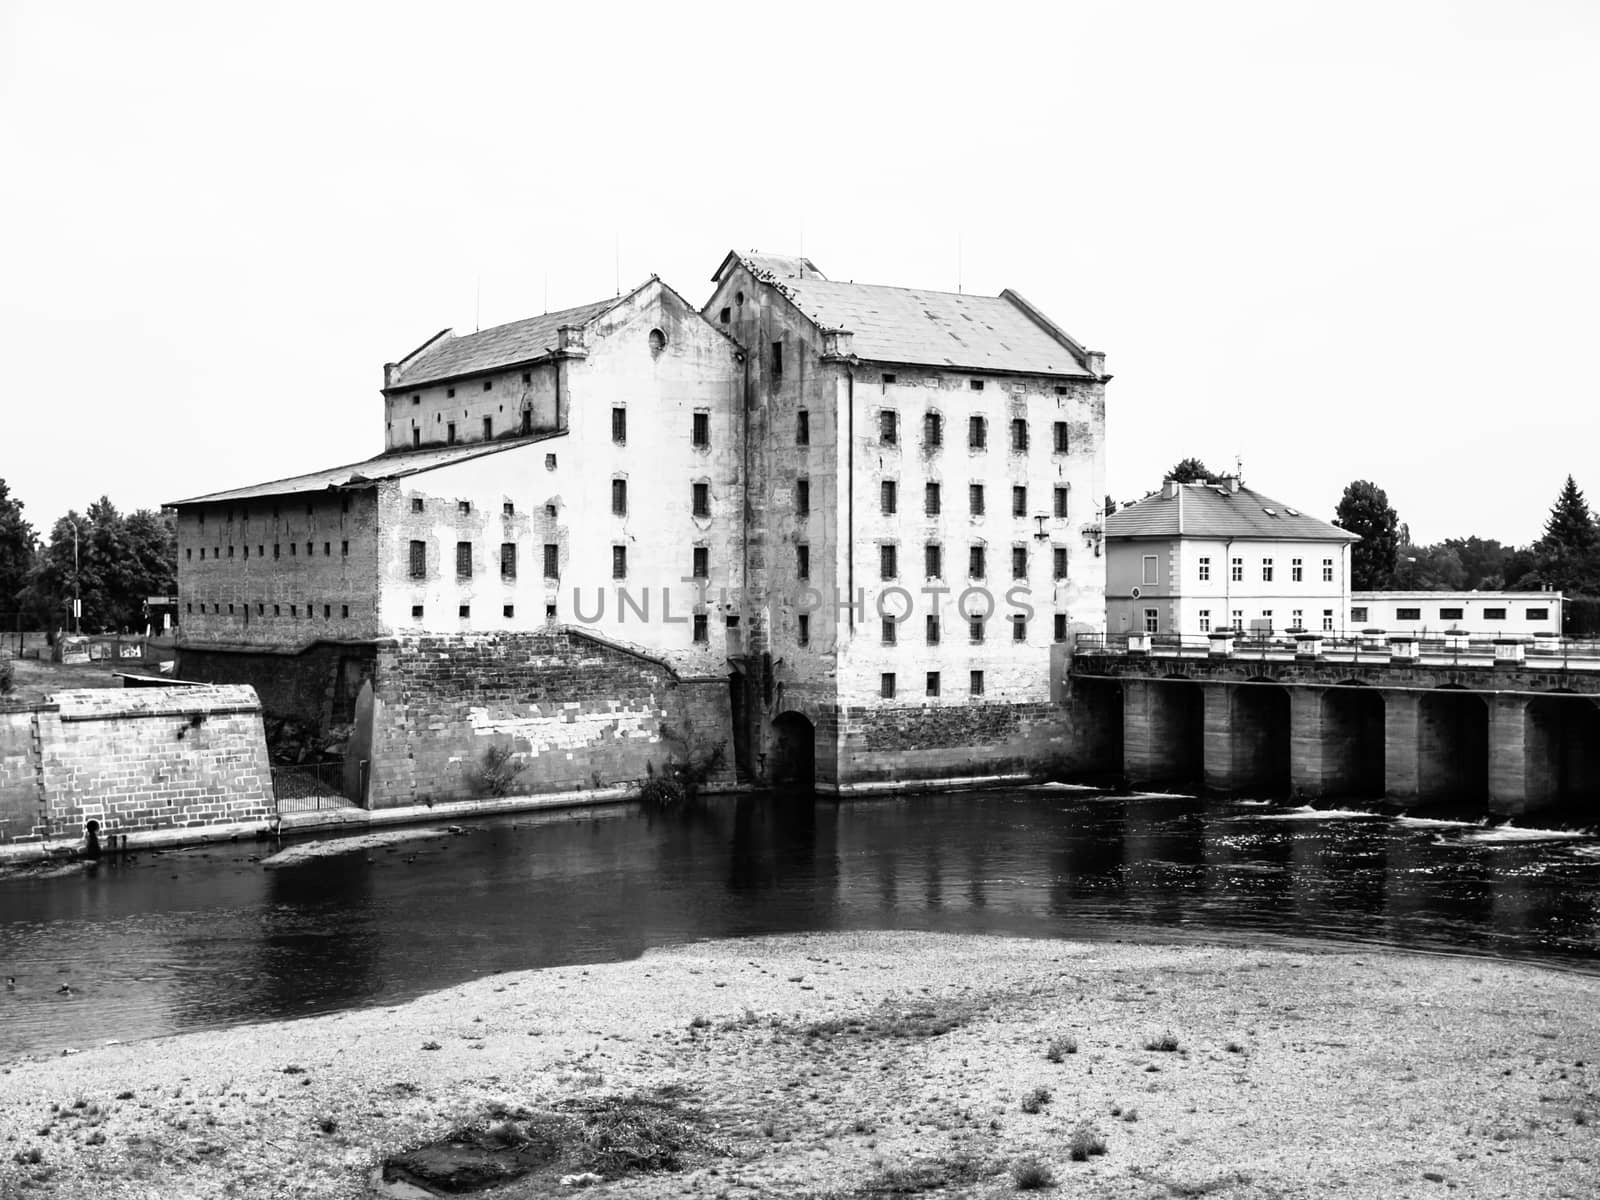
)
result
[(1351, 740), (1561, 750), (1453, 746), (1258, 735), (1164, 732)]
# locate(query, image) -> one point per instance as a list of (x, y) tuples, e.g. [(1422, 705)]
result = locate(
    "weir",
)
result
[(1508, 738)]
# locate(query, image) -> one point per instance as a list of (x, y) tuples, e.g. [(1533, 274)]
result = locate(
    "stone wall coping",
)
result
[(110, 704)]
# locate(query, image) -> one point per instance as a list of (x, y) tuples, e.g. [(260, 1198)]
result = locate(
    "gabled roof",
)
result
[(369, 471), (916, 327), (1211, 510), (448, 356)]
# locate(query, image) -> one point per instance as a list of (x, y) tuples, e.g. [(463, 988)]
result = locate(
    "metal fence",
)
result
[(310, 787), (1377, 646)]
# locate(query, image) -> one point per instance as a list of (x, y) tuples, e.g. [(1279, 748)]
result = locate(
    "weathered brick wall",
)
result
[(134, 760), (21, 805), (943, 741), (575, 711)]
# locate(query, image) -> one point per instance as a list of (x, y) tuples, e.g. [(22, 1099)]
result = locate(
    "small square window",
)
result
[(508, 509), (508, 610), (416, 504), (464, 610), (888, 379), (488, 384), (975, 384), (464, 507), (886, 685)]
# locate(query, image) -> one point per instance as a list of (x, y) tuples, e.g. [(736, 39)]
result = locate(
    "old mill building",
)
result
[(842, 530)]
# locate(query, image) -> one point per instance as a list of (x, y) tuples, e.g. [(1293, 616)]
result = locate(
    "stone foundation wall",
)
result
[(574, 712), (319, 684), (948, 741), (133, 760)]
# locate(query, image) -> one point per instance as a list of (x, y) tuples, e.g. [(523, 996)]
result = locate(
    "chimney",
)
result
[(1095, 360), (1169, 489), (1233, 483), (570, 337), (390, 372)]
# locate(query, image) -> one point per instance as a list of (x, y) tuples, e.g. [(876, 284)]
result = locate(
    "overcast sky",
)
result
[(1338, 241)]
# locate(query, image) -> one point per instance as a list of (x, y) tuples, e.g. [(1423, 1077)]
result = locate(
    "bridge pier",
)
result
[(1401, 722), (1247, 732), (1508, 756)]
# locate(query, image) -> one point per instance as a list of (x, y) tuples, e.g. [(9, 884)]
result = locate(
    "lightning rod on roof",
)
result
[(616, 251), (477, 306), (958, 262)]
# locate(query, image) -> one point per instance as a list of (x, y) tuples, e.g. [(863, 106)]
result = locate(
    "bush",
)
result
[(1059, 1048), (1166, 1044), (1086, 1143), (1031, 1175), (497, 774), (1036, 1100)]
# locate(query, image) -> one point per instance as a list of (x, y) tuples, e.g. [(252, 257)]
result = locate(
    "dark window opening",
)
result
[(976, 684), (886, 685), (804, 634), (701, 497), (619, 496), (977, 433), (701, 431), (702, 628), (802, 555), (889, 494), (508, 560), (508, 610), (619, 425), (1019, 502), (702, 563), (933, 683), (463, 560), (619, 562), (802, 428), (552, 560), (802, 497), (1061, 437)]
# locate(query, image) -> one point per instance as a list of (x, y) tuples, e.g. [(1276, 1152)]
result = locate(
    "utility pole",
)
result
[(77, 601)]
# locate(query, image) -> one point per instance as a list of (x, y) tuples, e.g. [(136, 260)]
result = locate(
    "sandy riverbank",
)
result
[(1295, 1075)]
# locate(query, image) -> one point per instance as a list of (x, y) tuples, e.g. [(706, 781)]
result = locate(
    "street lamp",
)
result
[(77, 602)]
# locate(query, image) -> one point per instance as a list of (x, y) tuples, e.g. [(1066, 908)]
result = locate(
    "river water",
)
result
[(188, 939)]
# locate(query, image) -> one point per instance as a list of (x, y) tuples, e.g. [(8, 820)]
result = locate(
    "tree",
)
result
[(1567, 557), (1429, 568), (18, 545), (1192, 470), (119, 561), (1364, 510)]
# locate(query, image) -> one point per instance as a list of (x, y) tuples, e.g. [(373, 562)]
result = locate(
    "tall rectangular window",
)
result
[(802, 497), (889, 427), (975, 683), (552, 560), (1152, 620), (1297, 570), (889, 494), (1058, 562), (1236, 568), (1019, 562), (975, 562), (803, 630), (1019, 501), (1019, 434), (802, 561), (450, 433), (802, 428), (886, 685), (1061, 437), (619, 562), (975, 631), (930, 499), (931, 629), (488, 429), (463, 560), (619, 496), (933, 683), (890, 631), (777, 359), (1019, 628), (1061, 627), (1061, 502), (700, 494), (932, 429), (887, 562), (419, 560), (1266, 570), (977, 433), (1204, 618), (1327, 570), (1327, 620), (700, 434), (1205, 568), (508, 560), (975, 499), (702, 628), (933, 560), (702, 562)]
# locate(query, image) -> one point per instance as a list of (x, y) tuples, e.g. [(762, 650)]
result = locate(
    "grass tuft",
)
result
[(1086, 1143), (1059, 1048), (1035, 1100), (1166, 1044), (1031, 1175)]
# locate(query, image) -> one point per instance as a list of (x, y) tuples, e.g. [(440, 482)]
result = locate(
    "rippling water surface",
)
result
[(206, 937)]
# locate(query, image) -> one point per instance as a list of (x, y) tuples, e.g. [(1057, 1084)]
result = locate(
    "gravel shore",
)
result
[(876, 1064)]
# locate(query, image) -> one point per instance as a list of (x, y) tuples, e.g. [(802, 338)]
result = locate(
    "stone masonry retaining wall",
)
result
[(575, 711), (134, 760), (949, 741)]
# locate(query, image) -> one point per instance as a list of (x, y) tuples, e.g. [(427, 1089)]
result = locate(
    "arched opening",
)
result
[(1260, 739), (1453, 748), (794, 751), (1163, 737), (1352, 741), (1561, 749)]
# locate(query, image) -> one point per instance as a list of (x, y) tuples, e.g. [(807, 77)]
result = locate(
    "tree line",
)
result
[(121, 559), (1565, 558)]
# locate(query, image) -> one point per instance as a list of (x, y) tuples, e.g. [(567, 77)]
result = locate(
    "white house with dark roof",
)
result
[(1197, 557), (924, 533)]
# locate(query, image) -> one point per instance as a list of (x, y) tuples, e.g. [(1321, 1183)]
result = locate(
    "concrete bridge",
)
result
[(1504, 729)]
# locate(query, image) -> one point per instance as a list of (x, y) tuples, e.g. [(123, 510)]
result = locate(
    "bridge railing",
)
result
[(1371, 646)]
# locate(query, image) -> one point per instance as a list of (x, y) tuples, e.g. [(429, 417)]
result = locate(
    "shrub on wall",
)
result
[(496, 774)]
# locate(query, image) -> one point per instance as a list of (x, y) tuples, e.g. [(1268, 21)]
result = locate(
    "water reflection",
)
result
[(159, 943)]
